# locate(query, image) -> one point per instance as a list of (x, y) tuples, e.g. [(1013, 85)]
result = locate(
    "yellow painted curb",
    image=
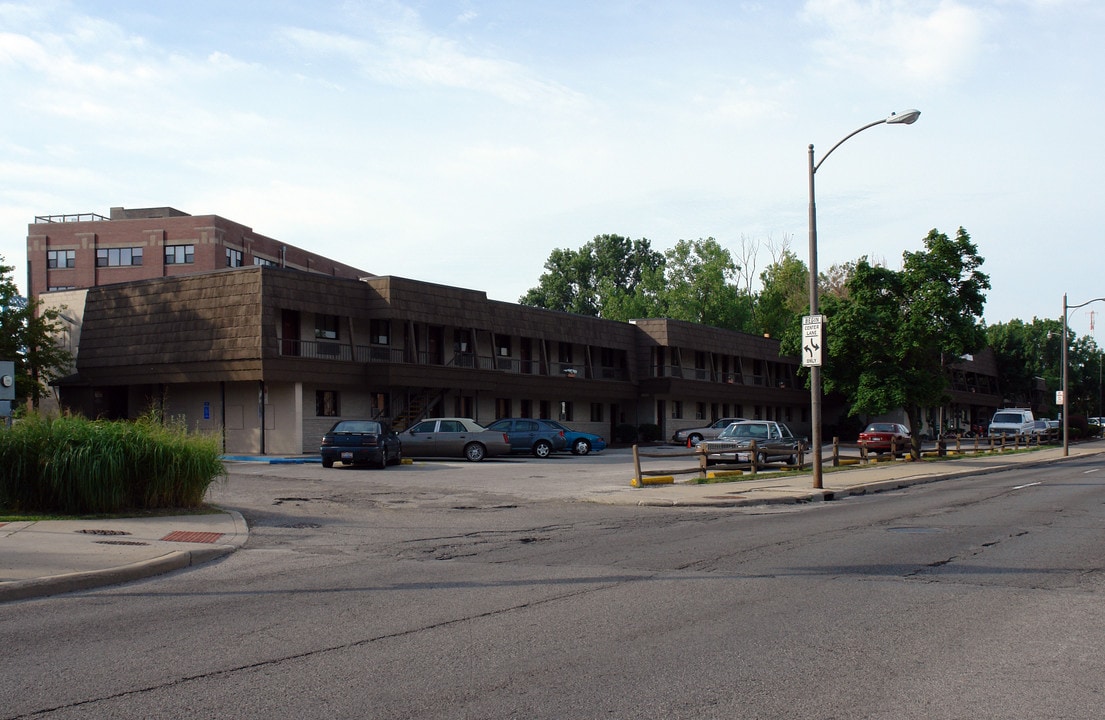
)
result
[(657, 480), (407, 461), (724, 473)]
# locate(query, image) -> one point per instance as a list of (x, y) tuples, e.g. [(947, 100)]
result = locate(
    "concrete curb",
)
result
[(150, 567)]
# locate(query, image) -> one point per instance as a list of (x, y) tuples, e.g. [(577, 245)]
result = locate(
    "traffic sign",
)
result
[(813, 339)]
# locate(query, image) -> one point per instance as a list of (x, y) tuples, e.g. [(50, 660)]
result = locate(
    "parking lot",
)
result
[(523, 478)]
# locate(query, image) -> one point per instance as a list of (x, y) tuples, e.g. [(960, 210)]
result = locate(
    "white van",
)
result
[(1012, 421)]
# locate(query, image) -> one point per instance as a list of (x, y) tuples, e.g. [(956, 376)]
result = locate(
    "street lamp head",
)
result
[(906, 117)]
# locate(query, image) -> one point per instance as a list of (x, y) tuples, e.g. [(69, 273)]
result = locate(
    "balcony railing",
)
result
[(339, 351)]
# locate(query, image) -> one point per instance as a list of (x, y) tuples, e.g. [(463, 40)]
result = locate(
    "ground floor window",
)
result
[(566, 411), (327, 403), (502, 408), (596, 412)]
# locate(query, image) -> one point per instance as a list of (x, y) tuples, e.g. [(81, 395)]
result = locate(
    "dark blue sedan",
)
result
[(361, 442)]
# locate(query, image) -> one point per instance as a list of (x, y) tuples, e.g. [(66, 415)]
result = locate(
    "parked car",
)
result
[(879, 436), (361, 442), (453, 437), (540, 437), (696, 435), (774, 441), (581, 443)]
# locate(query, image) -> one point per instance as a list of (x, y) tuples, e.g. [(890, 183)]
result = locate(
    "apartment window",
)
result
[(564, 352), (502, 345), (61, 258), (326, 327), (118, 257), (566, 411), (502, 407), (379, 331), (264, 262), (526, 409), (596, 412), (677, 409), (180, 254), (543, 410), (699, 411), (327, 403), (233, 258)]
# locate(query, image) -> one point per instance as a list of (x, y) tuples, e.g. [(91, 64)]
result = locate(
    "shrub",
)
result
[(76, 466), (625, 433), (649, 432)]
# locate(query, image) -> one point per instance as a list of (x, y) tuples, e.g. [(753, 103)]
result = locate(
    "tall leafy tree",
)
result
[(27, 337), (784, 297), (608, 277), (700, 286), (891, 335)]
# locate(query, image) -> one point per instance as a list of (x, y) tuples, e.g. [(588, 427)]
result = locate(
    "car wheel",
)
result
[(761, 458), (382, 463), (542, 449), (398, 459), (792, 460), (328, 462), (581, 447), (475, 452), (694, 439)]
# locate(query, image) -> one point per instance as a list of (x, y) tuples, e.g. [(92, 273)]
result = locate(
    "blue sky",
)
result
[(461, 142)]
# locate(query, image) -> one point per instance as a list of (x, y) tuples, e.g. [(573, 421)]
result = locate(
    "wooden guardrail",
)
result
[(958, 445), (662, 477)]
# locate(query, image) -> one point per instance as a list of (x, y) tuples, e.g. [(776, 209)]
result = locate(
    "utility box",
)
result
[(7, 380)]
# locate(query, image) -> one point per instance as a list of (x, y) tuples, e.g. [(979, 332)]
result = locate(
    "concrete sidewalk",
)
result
[(56, 556)]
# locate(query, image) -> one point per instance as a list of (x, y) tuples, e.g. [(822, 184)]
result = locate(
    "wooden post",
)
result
[(752, 459), (637, 465), (836, 452), (703, 463)]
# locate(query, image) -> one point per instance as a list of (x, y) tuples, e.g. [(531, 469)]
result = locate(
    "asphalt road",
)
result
[(476, 591)]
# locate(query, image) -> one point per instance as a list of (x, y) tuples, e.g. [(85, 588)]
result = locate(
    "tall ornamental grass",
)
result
[(75, 466)]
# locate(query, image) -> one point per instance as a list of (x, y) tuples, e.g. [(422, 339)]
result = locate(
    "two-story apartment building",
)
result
[(270, 357)]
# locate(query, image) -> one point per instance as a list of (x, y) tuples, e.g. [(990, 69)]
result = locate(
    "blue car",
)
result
[(580, 443)]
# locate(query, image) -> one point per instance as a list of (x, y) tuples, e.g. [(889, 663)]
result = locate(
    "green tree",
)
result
[(784, 297), (891, 334), (27, 337), (1026, 351), (699, 286), (611, 277)]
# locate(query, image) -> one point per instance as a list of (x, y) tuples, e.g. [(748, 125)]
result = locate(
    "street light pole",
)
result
[(1066, 371), (908, 117)]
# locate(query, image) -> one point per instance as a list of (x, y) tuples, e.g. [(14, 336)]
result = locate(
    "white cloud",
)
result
[(919, 41)]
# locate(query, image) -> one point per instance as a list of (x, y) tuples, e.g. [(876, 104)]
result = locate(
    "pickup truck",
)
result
[(774, 441)]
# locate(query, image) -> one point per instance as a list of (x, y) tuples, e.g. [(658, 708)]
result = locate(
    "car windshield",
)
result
[(1008, 418), (880, 427), (741, 430)]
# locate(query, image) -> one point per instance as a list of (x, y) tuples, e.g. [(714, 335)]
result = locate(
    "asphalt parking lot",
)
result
[(560, 477)]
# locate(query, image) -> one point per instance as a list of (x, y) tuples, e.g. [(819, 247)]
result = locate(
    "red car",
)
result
[(878, 436)]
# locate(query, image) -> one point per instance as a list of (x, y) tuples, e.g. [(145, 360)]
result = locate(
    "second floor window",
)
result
[(180, 254), (326, 327), (118, 257), (233, 258), (61, 258)]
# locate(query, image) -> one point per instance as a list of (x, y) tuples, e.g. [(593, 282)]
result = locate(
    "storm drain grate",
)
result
[(120, 542), (195, 537), (104, 532)]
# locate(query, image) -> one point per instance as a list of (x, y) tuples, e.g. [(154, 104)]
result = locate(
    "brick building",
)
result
[(81, 251)]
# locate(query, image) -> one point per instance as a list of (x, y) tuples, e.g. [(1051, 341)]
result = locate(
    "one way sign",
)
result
[(813, 339)]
